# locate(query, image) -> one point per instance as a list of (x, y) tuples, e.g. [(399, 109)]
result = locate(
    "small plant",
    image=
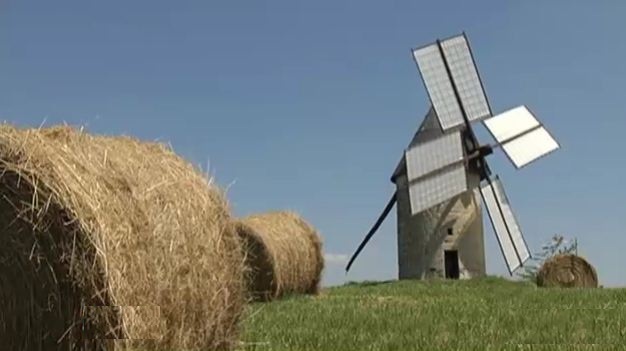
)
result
[(556, 246)]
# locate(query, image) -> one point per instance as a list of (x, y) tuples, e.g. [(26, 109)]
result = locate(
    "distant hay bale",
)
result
[(567, 270), (283, 255), (110, 237)]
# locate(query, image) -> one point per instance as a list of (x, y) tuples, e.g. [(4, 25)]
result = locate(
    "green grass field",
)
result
[(484, 314)]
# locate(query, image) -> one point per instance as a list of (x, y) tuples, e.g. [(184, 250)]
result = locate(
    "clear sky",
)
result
[(309, 105)]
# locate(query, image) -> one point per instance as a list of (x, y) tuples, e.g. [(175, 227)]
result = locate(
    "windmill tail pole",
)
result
[(369, 235)]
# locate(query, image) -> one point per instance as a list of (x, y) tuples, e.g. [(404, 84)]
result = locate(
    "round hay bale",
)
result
[(283, 254), (567, 270), (109, 238)]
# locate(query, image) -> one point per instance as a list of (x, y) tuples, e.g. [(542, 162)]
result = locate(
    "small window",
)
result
[(450, 231)]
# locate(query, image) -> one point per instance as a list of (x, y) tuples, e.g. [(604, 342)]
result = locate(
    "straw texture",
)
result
[(567, 270), (92, 221), (283, 254)]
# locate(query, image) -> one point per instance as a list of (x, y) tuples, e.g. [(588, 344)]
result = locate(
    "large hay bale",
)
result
[(567, 270), (114, 222), (283, 254)]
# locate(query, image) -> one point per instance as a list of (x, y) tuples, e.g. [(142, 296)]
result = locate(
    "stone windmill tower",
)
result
[(443, 180), (444, 241)]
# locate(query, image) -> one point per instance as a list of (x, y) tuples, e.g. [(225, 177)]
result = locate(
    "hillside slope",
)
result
[(484, 314)]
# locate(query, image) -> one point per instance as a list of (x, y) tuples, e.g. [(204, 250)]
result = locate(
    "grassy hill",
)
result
[(484, 314)]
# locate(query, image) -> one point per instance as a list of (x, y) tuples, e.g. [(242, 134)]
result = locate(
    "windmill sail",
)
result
[(521, 136), (451, 79), (505, 226), (438, 188), (435, 171)]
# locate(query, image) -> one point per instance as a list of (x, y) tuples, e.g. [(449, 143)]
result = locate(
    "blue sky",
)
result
[(308, 105)]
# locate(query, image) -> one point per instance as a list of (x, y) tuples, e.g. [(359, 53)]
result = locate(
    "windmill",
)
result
[(444, 175)]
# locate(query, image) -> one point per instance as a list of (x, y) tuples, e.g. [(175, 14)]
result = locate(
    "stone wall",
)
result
[(421, 247)]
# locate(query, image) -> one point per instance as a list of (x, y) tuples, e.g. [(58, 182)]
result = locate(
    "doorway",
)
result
[(451, 260)]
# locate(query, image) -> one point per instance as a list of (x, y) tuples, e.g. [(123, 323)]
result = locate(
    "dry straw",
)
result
[(283, 254), (110, 221), (567, 270)]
